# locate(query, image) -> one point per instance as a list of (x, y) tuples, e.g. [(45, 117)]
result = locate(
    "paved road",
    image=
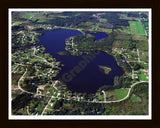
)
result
[(46, 106), (75, 99), (138, 56), (19, 83), (15, 68), (104, 95), (127, 62), (84, 100), (22, 77), (124, 97)]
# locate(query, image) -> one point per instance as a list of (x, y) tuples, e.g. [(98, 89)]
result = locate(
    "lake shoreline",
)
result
[(91, 75)]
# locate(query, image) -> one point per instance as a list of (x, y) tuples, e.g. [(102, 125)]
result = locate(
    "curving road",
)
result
[(22, 77), (124, 97), (82, 101), (19, 87), (46, 106), (19, 83)]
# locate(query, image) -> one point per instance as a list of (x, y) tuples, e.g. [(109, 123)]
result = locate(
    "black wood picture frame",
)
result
[(6, 4)]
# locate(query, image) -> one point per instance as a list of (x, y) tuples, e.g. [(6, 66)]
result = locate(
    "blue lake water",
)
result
[(91, 77), (98, 35)]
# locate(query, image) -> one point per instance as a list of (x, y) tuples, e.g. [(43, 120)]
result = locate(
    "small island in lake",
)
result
[(106, 69), (62, 53)]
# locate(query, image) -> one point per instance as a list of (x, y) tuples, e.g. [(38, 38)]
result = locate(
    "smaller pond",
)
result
[(98, 35)]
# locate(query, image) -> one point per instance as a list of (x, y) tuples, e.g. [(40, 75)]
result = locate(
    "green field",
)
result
[(135, 98), (142, 76), (17, 23), (126, 11), (123, 29), (121, 93), (146, 24), (28, 15), (136, 27), (142, 63)]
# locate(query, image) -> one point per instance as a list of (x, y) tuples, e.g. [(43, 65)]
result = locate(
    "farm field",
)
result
[(136, 27)]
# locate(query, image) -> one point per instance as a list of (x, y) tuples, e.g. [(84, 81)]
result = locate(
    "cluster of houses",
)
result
[(48, 26), (139, 72)]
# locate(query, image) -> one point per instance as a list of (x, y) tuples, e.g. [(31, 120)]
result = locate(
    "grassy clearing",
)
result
[(135, 98), (144, 63), (102, 20), (28, 15), (139, 37), (123, 30), (124, 16), (122, 36), (142, 76), (136, 27), (40, 21), (121, 93), (17, 23), (105, 30)]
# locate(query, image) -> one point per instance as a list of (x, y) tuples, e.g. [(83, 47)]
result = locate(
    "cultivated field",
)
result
[(136, 27)]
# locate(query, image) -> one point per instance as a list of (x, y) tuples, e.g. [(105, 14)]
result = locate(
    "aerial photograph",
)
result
[(79, 63)]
